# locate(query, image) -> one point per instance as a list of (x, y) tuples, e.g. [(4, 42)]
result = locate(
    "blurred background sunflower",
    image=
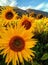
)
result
[(7, 14)]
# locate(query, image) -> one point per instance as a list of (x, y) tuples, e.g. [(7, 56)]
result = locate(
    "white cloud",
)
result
[(13, 3), (26, 7), (46, 10), (8, 2), (3, 2), (40, 6), (43, 6), (33, 7), (46, 5)]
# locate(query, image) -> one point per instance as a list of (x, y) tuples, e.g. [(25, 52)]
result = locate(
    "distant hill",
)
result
[(37, 12), (20, 11)]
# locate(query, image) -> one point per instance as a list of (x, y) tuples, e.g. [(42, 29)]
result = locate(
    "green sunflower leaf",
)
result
[(46, 45), (45, 56), (35, 63)]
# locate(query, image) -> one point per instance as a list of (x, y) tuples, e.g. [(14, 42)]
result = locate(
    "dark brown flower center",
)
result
[(9, 15), (17, 43), (27, 24), (40, 16)]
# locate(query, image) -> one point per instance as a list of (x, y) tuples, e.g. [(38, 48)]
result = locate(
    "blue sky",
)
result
[(25, 4)]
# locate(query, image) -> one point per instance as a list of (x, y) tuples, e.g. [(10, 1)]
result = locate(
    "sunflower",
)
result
[(8, 14), (41, 25), (32, 14), (45, 23), (27, 22), (39, 16), (16, 44)]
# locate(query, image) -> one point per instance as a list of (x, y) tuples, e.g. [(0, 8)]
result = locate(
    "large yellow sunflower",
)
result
[(16, 44), (27, 22), (8, 14)]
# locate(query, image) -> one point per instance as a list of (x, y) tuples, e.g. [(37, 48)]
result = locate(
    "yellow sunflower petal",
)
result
[(31, 52), (30, 43), (27, 56), (15, 59), (20, 57)]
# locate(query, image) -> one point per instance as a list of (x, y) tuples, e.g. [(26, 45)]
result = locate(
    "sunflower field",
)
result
[(23, 39)]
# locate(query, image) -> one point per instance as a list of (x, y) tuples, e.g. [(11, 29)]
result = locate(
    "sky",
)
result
[(25, 4)]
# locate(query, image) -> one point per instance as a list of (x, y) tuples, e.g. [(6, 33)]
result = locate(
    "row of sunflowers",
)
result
[(23, 40)]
